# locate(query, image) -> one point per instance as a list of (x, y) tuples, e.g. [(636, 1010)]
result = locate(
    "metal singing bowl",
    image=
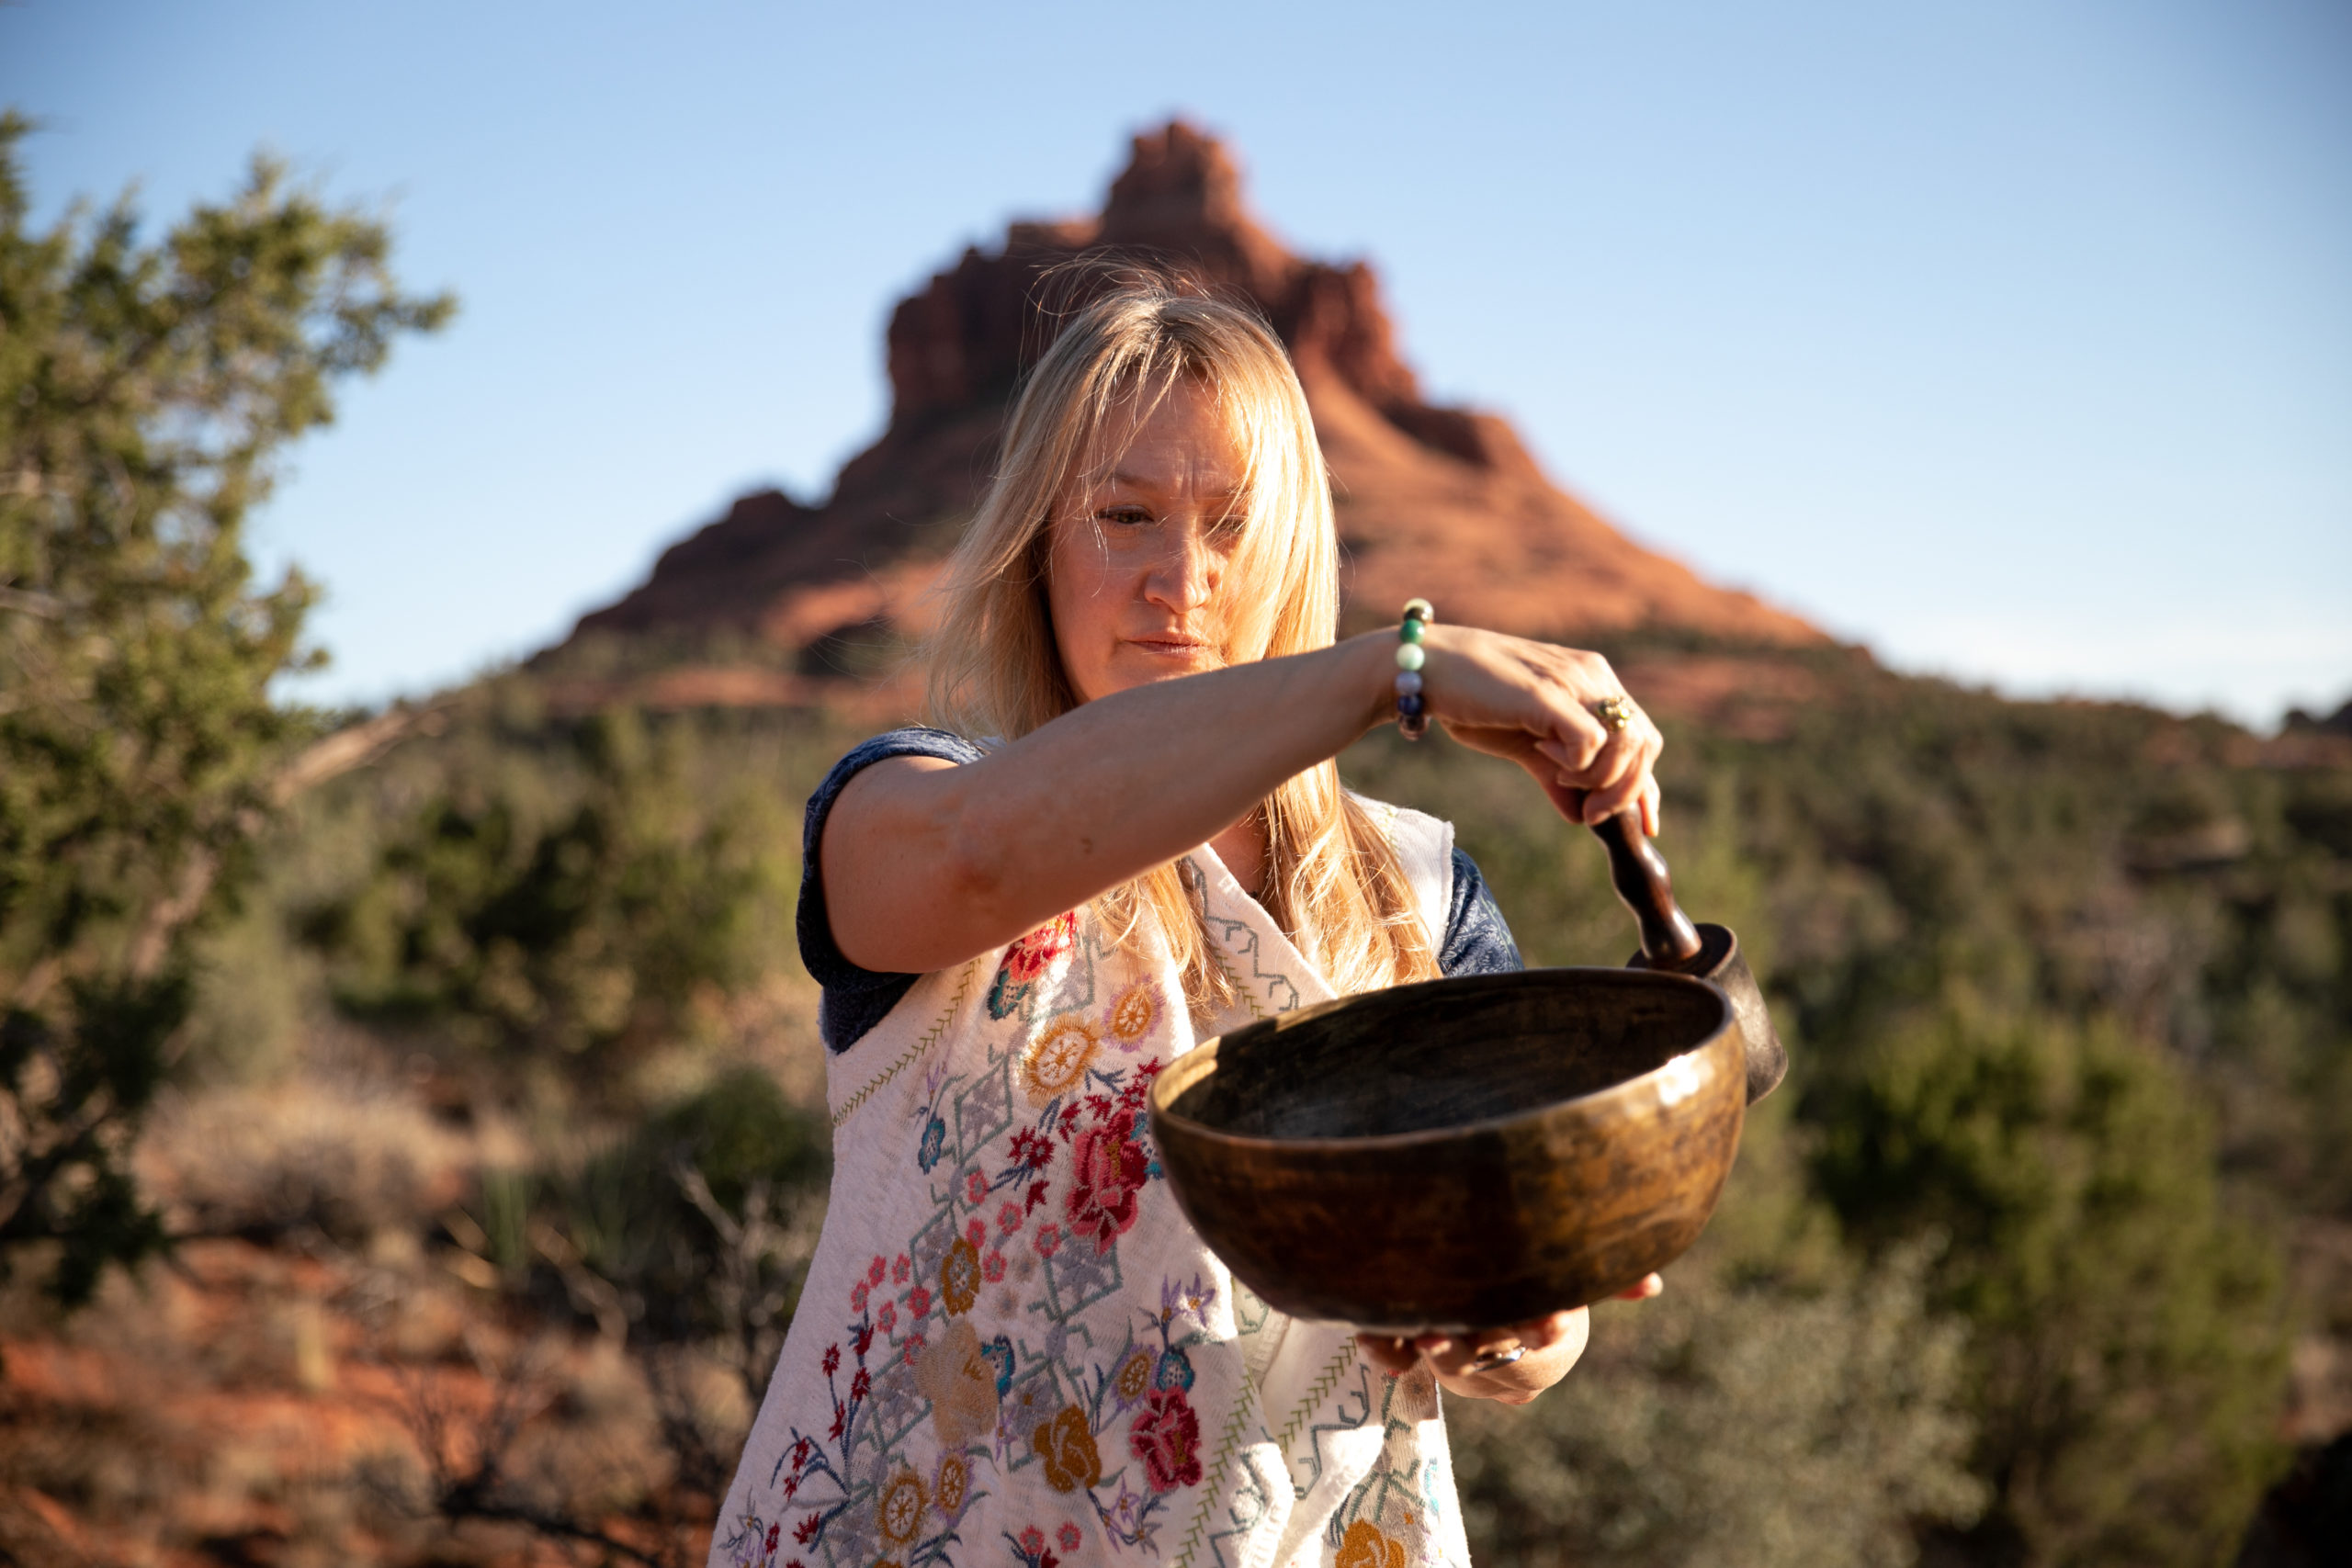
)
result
[(1459, 1154)]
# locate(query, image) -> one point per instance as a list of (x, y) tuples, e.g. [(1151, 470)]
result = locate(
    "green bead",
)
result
[(1409, 656), (1411, 631), (1419, 610)]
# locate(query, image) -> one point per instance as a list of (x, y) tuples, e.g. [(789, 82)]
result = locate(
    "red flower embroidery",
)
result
[(1026, 959), (1069, 1538), (1048, 1240), (1167, 1437), (1109, 1171), (993, 1267), (919, 1302)]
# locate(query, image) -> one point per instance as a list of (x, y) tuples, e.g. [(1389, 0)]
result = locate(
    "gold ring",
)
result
[(1616, 712)]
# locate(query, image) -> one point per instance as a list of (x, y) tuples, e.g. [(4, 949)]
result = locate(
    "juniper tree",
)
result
[(147, 391)]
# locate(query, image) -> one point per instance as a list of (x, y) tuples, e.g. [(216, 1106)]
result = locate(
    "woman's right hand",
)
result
[(1531, 703)]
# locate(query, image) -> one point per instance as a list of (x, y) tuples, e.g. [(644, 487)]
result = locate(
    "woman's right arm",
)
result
[(926, 862)]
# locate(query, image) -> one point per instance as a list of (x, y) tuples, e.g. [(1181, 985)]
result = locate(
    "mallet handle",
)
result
[(1646, 885)]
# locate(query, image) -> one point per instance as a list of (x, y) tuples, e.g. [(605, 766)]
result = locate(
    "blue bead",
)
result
[(1410, 706), (1408, 682)]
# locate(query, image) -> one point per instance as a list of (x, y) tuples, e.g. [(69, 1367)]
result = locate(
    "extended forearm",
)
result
[(932, 867)]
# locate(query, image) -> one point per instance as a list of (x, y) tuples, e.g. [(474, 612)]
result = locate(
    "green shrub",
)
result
[(1760, 1426), (2127, 1355)]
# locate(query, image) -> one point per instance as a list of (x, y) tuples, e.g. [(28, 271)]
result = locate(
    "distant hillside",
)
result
[(1434, 500)]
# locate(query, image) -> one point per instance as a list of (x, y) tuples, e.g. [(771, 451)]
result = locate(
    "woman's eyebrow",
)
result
[(1120, 479)]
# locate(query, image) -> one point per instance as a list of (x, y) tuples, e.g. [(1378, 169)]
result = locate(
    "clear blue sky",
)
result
[(2013, 339)]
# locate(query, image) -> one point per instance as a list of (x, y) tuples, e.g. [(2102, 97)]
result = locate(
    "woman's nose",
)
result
[(1184, 575)]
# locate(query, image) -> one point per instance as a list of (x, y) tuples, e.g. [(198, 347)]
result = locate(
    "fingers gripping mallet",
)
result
[(1670, 941)]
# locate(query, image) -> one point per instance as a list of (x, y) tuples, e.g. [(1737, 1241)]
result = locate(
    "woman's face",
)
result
[(1136, 575)]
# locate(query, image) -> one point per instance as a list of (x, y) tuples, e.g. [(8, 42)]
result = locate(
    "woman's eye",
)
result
[(1130, 515)]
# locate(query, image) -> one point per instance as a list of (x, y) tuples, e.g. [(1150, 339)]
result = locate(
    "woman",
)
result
[(1128, 835)]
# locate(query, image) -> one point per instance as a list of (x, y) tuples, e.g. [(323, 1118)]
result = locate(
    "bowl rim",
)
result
[(1626, 1089)]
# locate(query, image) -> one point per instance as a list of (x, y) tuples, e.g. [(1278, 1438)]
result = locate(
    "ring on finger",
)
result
[(1499, 1357), (1617, 711)]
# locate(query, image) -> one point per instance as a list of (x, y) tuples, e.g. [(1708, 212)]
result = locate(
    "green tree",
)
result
[(147, 391), (540, 932), (2127, 1341)]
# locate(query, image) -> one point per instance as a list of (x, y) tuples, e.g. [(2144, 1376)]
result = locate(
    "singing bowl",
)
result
[(1459, 1154)]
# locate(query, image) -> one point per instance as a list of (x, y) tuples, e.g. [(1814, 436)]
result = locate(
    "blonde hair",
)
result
[(1333, 882)]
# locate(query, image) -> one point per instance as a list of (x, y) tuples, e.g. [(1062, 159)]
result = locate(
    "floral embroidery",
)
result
[(955, 1375), (900, 1511), (1135, 1377), (1167, 1437), (1133, 1013), (1108, 1170), (1029, 1547), (1365, 1547), (1027, 960), (1000, 1364), (1058, 1062), (959, 1277), (1066, 1445), (948, 1486)]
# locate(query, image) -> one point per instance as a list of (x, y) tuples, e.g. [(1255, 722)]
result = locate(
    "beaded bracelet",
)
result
[(1412, 714)]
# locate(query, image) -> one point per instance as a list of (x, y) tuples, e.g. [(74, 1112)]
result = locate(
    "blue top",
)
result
[(1477, 941)]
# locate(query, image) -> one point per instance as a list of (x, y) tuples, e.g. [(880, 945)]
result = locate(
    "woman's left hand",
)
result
[(1549, 1347)]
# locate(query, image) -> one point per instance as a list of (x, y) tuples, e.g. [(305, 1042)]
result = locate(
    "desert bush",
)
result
[(1721, 1424), (301, 1156), (571, 902), (2128, 1355)]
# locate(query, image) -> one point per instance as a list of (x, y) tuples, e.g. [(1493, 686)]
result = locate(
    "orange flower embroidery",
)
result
[(1056, 1063), (1134, 1013), (955, 1479), (1072, 1461), (899, 1513), (959, 1275), (1365, 1547), (961, 1385)]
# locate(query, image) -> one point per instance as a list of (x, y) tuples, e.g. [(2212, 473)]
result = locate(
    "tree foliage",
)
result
[(1718, 1424), (2127, 1345), (568, 909), (147, 390)]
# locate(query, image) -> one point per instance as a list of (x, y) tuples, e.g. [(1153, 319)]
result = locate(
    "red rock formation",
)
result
[(1440, 501)]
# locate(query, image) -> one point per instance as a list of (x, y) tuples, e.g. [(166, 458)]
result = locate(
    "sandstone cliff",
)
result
[(1440, 501)]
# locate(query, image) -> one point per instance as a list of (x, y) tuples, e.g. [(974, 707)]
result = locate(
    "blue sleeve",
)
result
[(856, 999), (1477, 940)]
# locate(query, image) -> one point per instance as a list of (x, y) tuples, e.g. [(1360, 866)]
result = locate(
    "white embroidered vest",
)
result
[(1011, 1348)]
